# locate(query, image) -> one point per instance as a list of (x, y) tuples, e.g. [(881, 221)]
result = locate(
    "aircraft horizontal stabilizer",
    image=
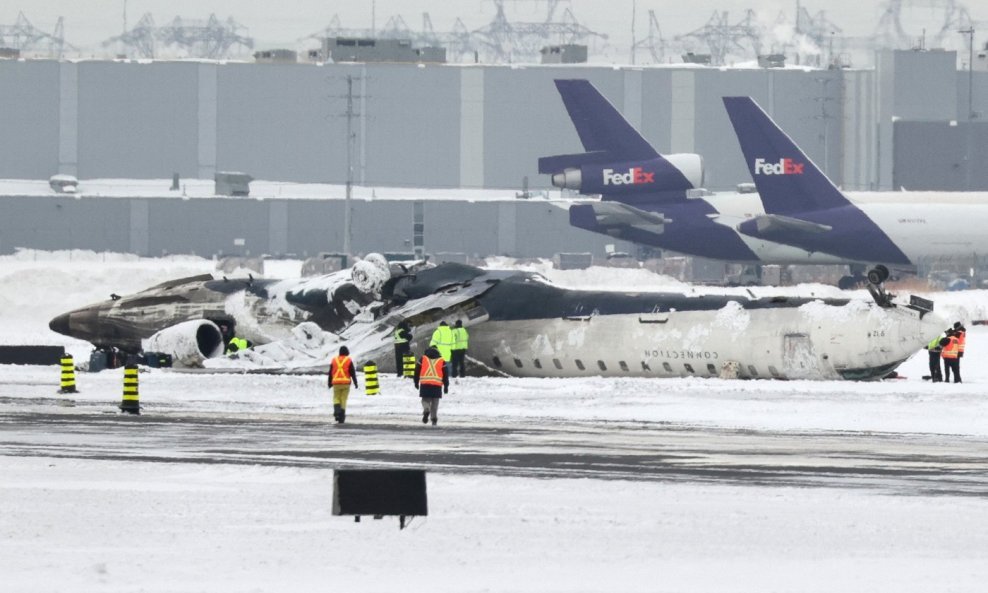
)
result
[(769, 223), (613, 215), (554, 164)]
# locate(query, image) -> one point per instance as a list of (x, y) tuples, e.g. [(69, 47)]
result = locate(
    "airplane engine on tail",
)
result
[(189, 343), (674, 173)]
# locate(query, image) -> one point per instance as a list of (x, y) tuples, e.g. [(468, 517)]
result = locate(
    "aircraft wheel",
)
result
[(878, 274)]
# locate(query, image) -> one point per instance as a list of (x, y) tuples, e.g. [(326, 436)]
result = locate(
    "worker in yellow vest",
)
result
[(341, 374), (461, 340), (443, 341), (236, 345), (403, 345), (933, 350)]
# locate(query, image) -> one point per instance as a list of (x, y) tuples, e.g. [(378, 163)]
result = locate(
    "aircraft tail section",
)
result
[(599, 124), (787, 180), (619, 163)]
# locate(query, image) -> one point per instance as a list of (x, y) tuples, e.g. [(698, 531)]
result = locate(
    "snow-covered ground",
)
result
[(259, 189), (78, 514)]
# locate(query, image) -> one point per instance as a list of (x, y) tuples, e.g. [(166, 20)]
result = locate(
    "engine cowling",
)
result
[(189, 343), (674, 173)]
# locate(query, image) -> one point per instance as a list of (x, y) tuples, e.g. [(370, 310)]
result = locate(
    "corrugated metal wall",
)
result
[(932, 155), (423, 126), (249, 226)]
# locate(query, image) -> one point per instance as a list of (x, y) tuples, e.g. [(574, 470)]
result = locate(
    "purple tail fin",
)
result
[(605, 134), (787, 180), (600, 126)]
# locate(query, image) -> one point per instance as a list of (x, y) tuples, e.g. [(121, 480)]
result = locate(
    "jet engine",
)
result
[(370, 273), (671, 173), (189, 342)]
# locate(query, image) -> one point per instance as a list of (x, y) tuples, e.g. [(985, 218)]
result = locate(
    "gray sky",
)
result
[(89, 22)]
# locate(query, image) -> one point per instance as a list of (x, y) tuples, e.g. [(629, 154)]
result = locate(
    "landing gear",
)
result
[(857, 278), (876, 278), (878, 274)]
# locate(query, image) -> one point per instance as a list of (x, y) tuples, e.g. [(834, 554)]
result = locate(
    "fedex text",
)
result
[(783, 167), (633, 176)]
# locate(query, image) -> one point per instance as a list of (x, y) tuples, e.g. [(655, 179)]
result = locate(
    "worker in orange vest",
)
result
[(432, 381), (341, 374), (950, 354), (961, 339)]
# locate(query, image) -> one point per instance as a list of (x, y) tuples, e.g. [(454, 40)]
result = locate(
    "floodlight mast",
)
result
[(349, 166)]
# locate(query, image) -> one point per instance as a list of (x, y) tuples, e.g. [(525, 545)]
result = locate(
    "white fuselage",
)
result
[(924, 225), (815, 341), (930, 225)]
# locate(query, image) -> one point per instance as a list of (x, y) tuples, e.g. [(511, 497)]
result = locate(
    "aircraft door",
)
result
[(798, 359)]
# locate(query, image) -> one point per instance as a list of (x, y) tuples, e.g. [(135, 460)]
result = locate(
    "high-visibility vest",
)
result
[(934, 345), (952, 349), (432, 372), (442, 339), (236, 344), (397, 336), (339, 370), (961, 339), (460, 338)]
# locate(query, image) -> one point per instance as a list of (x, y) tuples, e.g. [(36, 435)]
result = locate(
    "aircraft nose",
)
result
[(60, 324), (81, 323)]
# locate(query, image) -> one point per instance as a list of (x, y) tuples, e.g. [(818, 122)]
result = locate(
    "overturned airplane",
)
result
[(523, 325)]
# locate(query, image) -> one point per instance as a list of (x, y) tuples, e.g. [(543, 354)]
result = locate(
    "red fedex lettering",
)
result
[(642, 176), (634, 176), (783, 167)]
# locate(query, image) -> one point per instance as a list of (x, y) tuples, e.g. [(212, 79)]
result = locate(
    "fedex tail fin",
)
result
[(601, 127), (787, 180), (618, 161)]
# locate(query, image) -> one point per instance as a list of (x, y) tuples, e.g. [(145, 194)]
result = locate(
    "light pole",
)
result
[(970, 70), (968, 162), (349, 167)]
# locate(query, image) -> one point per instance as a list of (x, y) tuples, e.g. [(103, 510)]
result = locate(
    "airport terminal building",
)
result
[(911, 122)]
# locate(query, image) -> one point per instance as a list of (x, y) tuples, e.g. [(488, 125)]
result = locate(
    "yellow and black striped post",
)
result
[(67, 384), (371, 386), (408, 365), (131, 402)]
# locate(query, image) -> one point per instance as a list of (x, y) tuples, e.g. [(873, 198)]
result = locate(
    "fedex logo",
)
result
[(783, 167), (634, 176)]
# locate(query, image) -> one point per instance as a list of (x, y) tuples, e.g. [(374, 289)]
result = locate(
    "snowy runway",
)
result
[(224, 483), (911, 464)]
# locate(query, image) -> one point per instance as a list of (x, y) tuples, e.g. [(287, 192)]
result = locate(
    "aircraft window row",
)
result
[(666, 366)]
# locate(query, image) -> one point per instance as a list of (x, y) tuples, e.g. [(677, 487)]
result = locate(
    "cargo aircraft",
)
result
[(804, 209), (651, 199), (522, 325)]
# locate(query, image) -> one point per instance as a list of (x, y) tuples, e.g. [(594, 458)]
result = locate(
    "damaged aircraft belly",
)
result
[(520, 325)]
